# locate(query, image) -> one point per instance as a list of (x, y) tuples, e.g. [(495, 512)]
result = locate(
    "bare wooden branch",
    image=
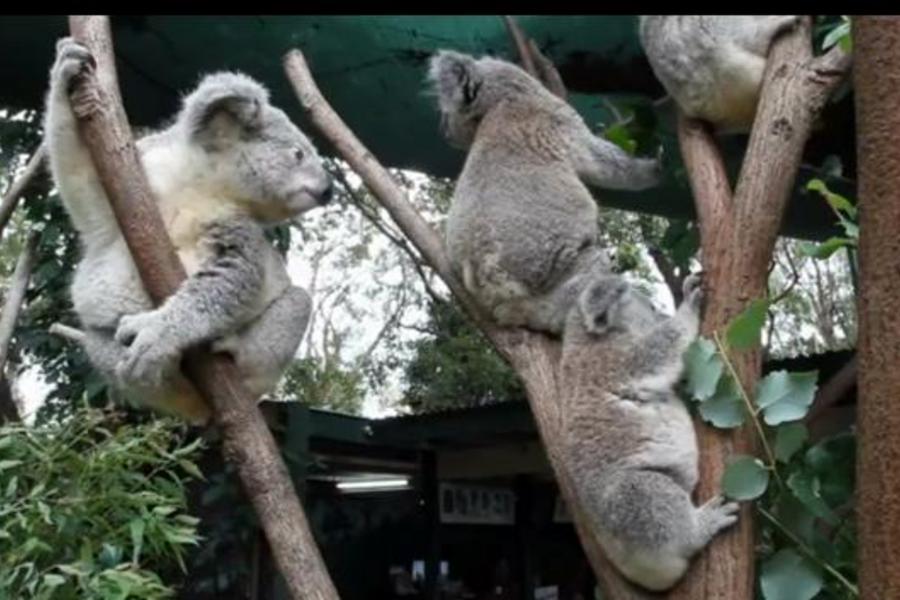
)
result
[(247, 442), (12, 305), (877, 88), (19, 186), (535, 357), (837, 386), (521, 44), (66, 332), (737, 238)]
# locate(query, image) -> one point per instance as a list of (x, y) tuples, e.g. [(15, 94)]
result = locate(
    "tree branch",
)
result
[(247, 442), (20, 185), (12, 305)]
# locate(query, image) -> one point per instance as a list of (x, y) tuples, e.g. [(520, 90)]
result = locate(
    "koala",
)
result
[(522, 229), (713, 66), (228, 165), (633, 440)]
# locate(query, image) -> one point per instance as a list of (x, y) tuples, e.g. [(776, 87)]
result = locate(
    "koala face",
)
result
[(467, 89), (603, 304), (253, 149)]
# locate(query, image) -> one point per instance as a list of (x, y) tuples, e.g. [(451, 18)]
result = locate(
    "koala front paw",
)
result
[(73, 61), (152, 351), (717, 515)]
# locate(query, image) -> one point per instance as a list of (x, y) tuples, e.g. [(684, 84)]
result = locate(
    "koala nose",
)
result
[(327, 194)]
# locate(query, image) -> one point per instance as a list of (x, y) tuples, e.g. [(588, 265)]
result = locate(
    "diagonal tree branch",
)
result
[(535, 357), (247, 442), (20, 185)]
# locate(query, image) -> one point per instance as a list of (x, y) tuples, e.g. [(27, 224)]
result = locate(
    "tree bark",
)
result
[(738, 237), (19, 186), (535, 357), (877, 87), (247, 442)]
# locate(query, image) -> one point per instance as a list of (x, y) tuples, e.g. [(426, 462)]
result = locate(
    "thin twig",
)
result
[(16, 295), (66, 332), (20, 185)]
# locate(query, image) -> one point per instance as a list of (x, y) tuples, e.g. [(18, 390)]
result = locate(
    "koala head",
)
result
[(602, 304), (467, 89), (252, 149)]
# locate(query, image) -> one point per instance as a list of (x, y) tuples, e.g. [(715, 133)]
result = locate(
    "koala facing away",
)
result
[(228, 165), (522, 227), (713, 66), (633, 439)]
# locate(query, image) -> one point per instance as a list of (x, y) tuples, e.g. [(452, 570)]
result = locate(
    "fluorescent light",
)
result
[(373, 484)]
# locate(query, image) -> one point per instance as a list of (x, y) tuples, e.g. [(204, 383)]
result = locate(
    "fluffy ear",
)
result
[(224, 105), (456, 79)]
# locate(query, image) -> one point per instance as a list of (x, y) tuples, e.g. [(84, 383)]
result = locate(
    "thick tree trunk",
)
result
[(738, 237), (247, 442), (877, 85)]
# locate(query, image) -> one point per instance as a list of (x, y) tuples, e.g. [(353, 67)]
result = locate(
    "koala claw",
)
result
[(693, 289), (151, 353), (73, 61), (718, 514)]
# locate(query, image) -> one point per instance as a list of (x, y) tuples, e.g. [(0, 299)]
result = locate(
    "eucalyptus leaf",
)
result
[(745, 478), (789, 576), (745, 329), (725, 409), (785, 396), (703, 368), (788, 439)]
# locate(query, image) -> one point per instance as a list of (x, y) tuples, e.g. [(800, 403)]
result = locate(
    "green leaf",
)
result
[(826, 248), (789, 439), (51, 580), (8, 464), (703, 368), (745, 329), (785, 396), (789, 576), (618, 134), (807, 489), (136, 529), (745, 478), (837, 202), (725, 409), (839, 35)]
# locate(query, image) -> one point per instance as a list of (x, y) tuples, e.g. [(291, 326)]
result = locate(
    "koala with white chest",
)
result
[(228, 165), (522, 227), (633, 440), (713, 65)]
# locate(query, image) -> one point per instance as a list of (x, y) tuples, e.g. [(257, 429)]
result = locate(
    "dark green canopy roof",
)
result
[(371, 69)]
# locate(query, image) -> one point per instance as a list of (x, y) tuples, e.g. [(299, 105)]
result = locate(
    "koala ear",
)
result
[(456, 78), (223, 106)]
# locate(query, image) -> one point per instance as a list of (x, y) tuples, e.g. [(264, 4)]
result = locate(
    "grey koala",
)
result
[(522, 227), (632, 438), (229, 164), (713, 65)]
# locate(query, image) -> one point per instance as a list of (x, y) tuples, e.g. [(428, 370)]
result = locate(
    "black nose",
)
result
[(327, 194)]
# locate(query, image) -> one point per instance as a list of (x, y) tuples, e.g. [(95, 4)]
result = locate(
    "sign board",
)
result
[(476, 504)]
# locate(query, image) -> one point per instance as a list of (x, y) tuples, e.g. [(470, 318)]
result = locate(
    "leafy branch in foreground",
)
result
[(93, 509)]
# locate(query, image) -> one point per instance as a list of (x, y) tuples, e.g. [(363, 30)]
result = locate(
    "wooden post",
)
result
[(876, 41), (246, 440)]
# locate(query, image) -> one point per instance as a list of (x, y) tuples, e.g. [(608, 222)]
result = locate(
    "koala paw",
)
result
[(152, 352), (717, 514), (73, 62)]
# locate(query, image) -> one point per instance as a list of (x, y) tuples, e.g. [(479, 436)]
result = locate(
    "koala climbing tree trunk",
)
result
[(738, 233), (247, 442), (877, 86), (535, 357)]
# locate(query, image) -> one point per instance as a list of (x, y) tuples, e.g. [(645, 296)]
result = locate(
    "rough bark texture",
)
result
[(19, 186), (535, 357), (247, 442), (737, 240), (877, 85)]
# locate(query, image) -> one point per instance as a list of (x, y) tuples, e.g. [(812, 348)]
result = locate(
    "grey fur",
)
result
[(713, 65), (229, 164), (522, 227), (632, 441)]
